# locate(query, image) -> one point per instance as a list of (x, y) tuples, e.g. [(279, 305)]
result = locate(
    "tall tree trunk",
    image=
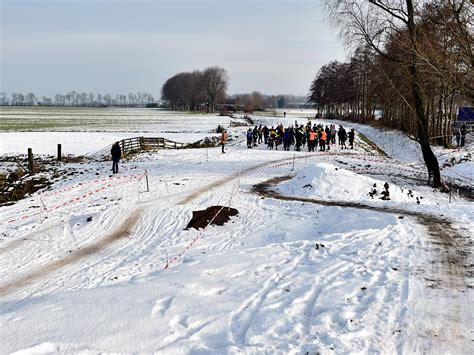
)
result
[(430, 159)]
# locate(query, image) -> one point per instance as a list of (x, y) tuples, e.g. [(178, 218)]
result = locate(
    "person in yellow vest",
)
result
[(224, 137)]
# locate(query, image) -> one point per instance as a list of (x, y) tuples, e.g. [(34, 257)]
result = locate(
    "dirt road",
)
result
[(451, 268)]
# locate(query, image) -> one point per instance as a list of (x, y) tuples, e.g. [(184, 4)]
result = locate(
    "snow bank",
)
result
[(329, 182)]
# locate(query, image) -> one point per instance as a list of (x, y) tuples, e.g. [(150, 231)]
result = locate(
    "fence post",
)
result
[(59, 152), (146, 177), (30, 160)]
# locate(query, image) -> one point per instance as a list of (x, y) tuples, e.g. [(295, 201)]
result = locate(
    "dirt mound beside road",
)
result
[(213, 215)]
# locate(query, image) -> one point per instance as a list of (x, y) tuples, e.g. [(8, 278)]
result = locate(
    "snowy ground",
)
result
[(83, 130), (284, 276)]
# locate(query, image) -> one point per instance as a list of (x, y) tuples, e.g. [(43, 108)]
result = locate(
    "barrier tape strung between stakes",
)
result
[(73, 200), (83, 184), (286, 162), (199, 236), (42, 194), (201, 233)]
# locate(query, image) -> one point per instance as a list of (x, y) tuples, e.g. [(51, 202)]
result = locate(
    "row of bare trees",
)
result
[(76, 99), (196, 90), (413, 61)]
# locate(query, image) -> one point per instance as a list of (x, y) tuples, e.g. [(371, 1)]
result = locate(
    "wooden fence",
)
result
[(138, 144)]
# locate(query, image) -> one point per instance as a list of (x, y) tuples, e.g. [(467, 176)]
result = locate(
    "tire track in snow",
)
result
[(451, 266), (124, 229), (32, 258), (242, 319), (453, 263), (227, 179), (311, 298)]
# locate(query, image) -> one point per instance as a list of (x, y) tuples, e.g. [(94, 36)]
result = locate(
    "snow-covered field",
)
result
[(320, 268), (84, 130)]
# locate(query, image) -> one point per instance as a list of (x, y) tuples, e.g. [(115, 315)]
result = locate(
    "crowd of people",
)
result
[(313, 136)]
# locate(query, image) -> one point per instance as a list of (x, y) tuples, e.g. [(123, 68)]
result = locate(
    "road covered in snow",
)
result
[(311, 264)]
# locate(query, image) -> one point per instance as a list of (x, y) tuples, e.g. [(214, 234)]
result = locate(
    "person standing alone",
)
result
[(116, 152), (224, 137), (463, 134)]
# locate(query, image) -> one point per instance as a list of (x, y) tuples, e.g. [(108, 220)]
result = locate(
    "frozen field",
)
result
[(82, 130), (311, 264)]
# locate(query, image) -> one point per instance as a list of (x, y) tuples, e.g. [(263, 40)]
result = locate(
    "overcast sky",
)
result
[(121, 46)]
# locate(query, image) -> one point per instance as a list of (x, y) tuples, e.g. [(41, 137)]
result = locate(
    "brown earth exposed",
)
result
[(213, 215)]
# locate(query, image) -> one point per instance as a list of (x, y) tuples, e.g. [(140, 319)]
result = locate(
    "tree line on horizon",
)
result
[(206, 90), (196, 90), (243, 102), (413, 63), (77, 99)]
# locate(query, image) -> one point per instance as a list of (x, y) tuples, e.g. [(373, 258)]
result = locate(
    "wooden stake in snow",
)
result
[(59, 152), (146, 177), (30, 160)]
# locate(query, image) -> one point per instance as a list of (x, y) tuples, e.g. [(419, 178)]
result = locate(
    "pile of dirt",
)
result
[(213, 215), (207, 142), (17, 182), (17, 185)]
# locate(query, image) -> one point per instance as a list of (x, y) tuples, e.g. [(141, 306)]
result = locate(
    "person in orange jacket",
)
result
[(224, 137), (311, 140), (322, 141)]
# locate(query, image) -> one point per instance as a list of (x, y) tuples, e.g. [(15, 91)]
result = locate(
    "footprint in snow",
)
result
[(161, 306)]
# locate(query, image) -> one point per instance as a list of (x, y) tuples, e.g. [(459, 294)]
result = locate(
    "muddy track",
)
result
[(225, 180), (26, 279), (451, 267)]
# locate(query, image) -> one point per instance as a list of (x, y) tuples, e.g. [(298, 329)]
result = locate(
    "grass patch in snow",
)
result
[(373, 145)]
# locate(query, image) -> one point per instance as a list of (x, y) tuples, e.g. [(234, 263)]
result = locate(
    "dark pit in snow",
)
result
[(213, 215)]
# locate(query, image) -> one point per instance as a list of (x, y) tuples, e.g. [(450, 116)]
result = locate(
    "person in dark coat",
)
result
[(342, 135), (328, 137), (299, 138), (463, 134), (351, 138), (457, 133), (116, 152), (265, 131)]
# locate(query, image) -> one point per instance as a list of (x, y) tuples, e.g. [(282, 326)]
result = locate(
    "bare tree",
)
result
[(377, 22), (4, 99), (215, 84)]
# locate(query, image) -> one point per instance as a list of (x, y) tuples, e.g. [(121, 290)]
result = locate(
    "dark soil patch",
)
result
[(15, 187), (214, 215), (18, 183)]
